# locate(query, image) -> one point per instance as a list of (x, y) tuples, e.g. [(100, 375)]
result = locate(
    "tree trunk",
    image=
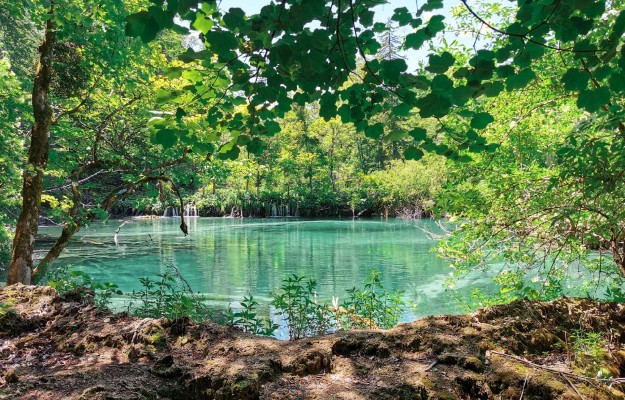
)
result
[(72, 225), (21, 267), (617, 245)]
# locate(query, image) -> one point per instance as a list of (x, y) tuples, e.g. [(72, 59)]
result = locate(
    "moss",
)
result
[(473, 363), (155, 336)]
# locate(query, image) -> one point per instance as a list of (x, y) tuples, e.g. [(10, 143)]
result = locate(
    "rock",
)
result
[(11, 376), (346, 346), (473, 363)]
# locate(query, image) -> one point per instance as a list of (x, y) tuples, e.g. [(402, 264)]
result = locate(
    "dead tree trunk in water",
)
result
[(21, 267)]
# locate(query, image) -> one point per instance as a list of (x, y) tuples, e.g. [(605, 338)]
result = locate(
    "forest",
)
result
[(425, 199)]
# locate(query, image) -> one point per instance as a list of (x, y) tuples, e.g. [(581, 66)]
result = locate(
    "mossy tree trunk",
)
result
[(21, 267)]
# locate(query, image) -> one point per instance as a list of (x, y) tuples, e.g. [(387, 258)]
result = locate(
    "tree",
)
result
[(547, 200), (89, 118)]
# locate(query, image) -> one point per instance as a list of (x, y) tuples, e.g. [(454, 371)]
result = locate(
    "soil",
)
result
[(52, 348)]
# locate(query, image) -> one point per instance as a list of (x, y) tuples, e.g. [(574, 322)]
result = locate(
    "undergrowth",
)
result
[(169, 295)]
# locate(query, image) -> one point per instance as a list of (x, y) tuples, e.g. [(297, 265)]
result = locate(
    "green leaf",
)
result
[(162, 96), (192, 75), (165, 137), (413, 153), (234, 18), (256, 146), (617, 82), (375, 131), (439, 64), (221, 42), (435, 25), (592, 100), (415, 40), (272, 127), (402, 16), (481, 120), (173, 72), (492, 89), (391, 69), (520, 80), (395, 136), (202, 23), (442, 85), (433, 105), (418, 134), (142, 25), (430, 5), (231, 154), (402, 110), (575, 79)]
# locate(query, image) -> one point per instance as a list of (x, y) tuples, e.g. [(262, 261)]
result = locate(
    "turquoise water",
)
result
[(228, 258)]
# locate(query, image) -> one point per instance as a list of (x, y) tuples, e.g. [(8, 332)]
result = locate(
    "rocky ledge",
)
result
[(52, 348)]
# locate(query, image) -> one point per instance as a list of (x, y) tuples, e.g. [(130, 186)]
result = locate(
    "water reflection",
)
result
[(228, 258)]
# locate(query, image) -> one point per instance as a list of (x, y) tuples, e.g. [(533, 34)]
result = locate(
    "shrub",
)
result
[(248, 320), (376, 307), (168, 296), (369, 307), (68, 281), (297, 302)]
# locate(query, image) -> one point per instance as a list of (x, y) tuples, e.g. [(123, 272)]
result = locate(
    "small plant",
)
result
[(168, 296), (67, 280), (248, 319), (297, 302), (589, 346), (373, 306), (6, 308), (370, 307)]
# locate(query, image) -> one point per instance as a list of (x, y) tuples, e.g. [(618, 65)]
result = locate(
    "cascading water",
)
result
[(190, 210), (274, 210), (167, 211)]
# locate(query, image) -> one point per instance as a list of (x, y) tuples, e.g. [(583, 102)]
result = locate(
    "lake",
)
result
[(228, 258)]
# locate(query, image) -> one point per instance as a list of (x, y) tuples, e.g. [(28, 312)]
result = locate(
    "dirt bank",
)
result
[(53, 349)]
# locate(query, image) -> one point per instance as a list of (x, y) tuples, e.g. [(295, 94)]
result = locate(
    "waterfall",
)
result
[(274, 210), (190, 210), (175, 211), (166, 212), (286, 211)]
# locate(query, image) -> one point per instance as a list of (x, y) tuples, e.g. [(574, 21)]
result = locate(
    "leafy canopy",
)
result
[(255, 68)]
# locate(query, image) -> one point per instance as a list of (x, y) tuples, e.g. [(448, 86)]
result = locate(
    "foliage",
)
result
[(69, 281), (168, 296), (370, 307), (407, 184), (377, 306), (589, 346), (297, 302), (248, 319)]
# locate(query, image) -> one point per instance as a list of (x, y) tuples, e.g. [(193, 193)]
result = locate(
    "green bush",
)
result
[(67, 281), (296, 300), (369, 307), (377, 307), (168, 296), (248, 320)]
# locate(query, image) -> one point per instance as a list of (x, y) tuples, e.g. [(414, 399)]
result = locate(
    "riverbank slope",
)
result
[(67, 349)]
